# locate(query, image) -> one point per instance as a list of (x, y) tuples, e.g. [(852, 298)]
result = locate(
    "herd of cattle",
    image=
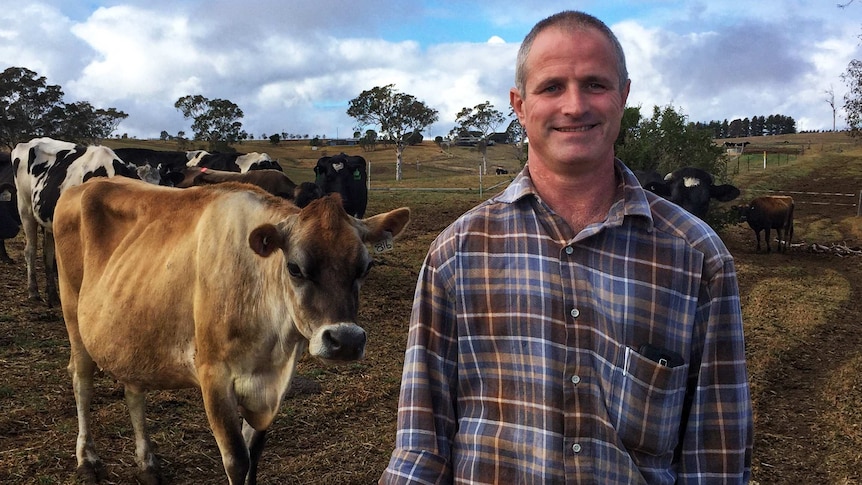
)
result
[(34, 175), (143, 288), (142, 284)]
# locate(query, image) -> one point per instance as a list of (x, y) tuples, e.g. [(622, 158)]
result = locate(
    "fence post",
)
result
[(480, 181), (764, 159), (859, 205)]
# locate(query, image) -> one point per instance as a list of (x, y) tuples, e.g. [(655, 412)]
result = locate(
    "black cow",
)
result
[(305, 193), (169, 164), (10, 221), (688, 187), (770, 212), (233, 162), (347, 176), (652, 181)]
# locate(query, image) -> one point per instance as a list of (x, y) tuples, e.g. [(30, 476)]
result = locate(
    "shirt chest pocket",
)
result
[(645, 403)]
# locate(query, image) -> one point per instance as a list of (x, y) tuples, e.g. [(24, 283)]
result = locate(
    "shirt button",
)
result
[(575, 312), (576, 379), (569, 250), (576, 448)]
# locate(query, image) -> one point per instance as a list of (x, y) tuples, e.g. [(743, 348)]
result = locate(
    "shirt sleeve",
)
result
[(717, 439), (426, 416)]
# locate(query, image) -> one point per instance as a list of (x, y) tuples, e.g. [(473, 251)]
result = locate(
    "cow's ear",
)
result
[(265, 240), (723, 193), (386, 225)]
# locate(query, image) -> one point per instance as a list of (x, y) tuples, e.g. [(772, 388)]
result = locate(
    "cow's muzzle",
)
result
[(342, 341)]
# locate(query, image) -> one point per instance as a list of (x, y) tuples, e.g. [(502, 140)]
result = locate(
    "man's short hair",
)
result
[(571, 21)]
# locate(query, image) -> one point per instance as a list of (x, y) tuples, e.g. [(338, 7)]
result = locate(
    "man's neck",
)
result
[(579, 198)]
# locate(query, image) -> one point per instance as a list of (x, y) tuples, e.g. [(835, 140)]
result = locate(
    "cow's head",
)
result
[(692, 188), (741, 212), (325, 263)]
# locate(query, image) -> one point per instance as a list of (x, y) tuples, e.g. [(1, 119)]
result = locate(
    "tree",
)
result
[(275, 139), (830, 98), (82, 123), (397, 114), (853, 98), (368, 142), (215, 121), (26, 100), (666, 142), (482, 118)]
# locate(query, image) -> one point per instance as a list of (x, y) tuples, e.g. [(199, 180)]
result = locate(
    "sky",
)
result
[(293, 67)]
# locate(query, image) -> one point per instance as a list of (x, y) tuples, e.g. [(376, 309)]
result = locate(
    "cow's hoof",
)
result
[(90, 473), (150, 476)]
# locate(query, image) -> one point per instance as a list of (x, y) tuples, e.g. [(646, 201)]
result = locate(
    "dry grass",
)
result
[(800, 309)]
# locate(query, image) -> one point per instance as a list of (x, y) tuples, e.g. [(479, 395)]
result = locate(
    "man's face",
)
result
[(573, 103)]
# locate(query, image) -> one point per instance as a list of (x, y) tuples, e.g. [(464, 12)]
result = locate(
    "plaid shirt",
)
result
[(522, 362)]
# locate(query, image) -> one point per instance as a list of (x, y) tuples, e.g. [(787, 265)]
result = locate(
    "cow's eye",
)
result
[(294, 270)]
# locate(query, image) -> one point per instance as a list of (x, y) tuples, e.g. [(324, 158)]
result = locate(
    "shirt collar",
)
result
[(633, 204)]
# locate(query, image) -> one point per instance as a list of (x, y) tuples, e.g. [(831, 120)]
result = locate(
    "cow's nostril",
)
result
[(330, 341)]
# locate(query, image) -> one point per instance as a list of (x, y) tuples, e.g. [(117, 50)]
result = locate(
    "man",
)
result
[(575, 328)]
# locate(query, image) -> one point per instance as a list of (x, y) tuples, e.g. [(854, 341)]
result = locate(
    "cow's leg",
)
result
[(766, 238), (757, 235), (149, 473), (255, 441), (50, 269), (81, 368), (220, 404), (4, 256), (788, 234), (779, 233), (31, 229)]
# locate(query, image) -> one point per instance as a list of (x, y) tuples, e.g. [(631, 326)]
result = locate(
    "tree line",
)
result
[(755, 126), (30, 107)]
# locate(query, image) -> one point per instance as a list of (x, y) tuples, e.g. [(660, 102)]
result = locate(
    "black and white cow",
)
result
[(10, 222), (688, 187), (43, 168), (232, 162), (346, 175), (169, 164)]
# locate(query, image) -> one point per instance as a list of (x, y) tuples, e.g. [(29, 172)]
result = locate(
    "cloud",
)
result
[(290, 68)]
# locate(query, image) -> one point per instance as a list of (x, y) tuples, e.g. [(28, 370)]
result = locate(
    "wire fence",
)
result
[(838, 199)]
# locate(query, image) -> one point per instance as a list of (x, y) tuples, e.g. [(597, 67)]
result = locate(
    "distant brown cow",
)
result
[(770, 212), (226, 298)]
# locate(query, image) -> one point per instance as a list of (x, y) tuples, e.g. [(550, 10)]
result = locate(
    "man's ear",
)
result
[(517, 103)]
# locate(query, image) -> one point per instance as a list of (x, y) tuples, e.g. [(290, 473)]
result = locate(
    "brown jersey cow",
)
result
[(225, 297), (770, 212)]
